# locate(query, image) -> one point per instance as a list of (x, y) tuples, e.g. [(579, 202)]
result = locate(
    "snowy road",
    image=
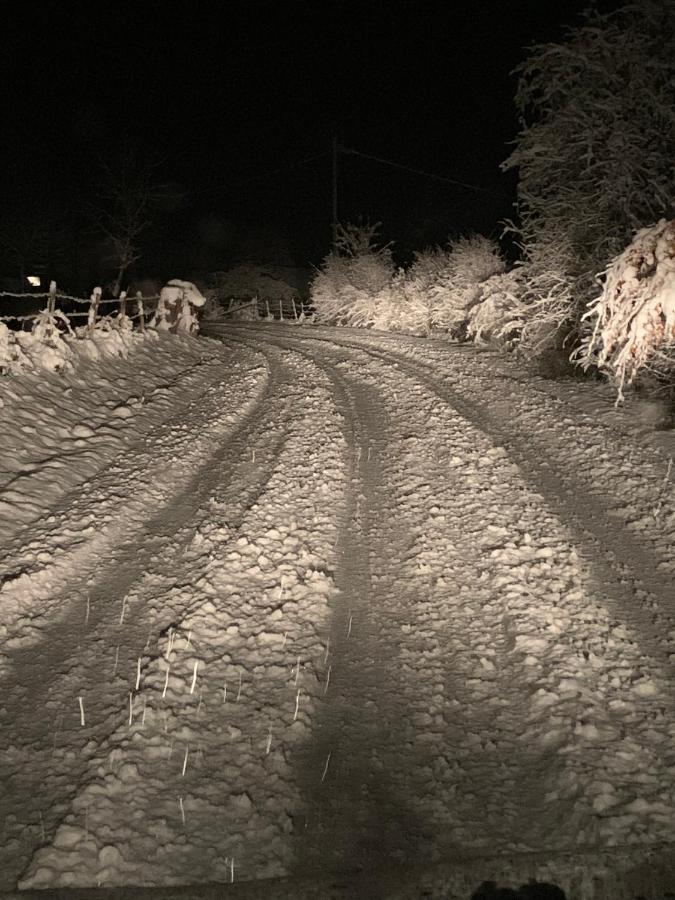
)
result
[(361, 599)]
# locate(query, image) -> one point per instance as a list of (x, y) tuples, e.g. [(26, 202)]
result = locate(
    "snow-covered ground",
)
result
[(321, 600)]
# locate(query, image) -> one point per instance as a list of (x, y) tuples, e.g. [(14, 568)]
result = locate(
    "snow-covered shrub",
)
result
[(45, 346), (395, 307), (12, 357), (109, 337), (547, 311), (633, 320), (176, 307), (497, 316), (344, 289), (448, 280)]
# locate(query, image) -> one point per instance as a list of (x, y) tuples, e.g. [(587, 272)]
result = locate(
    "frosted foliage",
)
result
[(53, 346), (547, 305), (498, 315), (109, 338), (450, 278), (392, 308), (12, 357), (595, 151), (634, 318), (353, 286), (176, 307), (443, 284), (44, 347)]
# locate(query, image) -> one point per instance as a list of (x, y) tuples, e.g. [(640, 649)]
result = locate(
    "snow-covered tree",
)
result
[(129, 200), (634, 318), (596, 150)]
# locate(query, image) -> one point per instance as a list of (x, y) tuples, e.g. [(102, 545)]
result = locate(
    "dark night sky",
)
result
[(225, 94)]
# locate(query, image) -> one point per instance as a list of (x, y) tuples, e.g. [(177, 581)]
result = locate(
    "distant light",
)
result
[(33, 280)]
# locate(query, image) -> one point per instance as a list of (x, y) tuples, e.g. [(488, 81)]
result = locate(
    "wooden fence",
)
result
[(142, 305), (287, 309)]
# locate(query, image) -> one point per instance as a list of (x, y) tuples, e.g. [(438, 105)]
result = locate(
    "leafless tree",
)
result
[(130, 197)]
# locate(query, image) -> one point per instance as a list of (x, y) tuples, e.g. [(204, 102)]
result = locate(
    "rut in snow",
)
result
[(374, 627)]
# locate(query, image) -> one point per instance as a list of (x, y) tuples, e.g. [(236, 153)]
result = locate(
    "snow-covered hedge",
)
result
[(359, 286), (633, 320)]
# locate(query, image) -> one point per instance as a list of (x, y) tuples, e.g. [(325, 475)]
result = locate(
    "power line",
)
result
[(278, 171), (395, 165), (295, 165)]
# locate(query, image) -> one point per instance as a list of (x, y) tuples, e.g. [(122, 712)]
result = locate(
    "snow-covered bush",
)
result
[(45, 346), (633, 320), (176, 307), (448, 280), (392, 308), (12, 357), (52, 345), (497, 317), (547, 310), (594, 155), (359, 286), (109, 337), (344, 289)]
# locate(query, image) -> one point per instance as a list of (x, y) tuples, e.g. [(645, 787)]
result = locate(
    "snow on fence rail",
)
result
[(94, 302), (51, 343)]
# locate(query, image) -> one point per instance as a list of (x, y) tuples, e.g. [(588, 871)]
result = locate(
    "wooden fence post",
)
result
[(281, 309), (123, 305), (51, 303), (267, 307), (93, 309), (141, 311), (295, 310)]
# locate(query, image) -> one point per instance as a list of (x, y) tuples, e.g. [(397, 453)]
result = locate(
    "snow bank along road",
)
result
[(355, 600)]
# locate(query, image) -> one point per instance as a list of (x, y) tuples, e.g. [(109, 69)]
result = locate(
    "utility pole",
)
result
[(335, 192)]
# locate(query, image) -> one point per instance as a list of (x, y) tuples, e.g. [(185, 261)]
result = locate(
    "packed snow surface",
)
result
[(311, 599)]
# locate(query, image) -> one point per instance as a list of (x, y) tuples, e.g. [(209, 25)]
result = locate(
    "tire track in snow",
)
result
[(124, 823), (141, 564), (636, 730), (374, 807), (106, 436), (644, 592), (354, 814)]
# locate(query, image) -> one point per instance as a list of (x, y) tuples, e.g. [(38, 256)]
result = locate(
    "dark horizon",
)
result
[(229, 103)]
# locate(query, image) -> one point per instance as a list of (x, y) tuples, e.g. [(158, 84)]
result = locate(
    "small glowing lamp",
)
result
[(33, 280)]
